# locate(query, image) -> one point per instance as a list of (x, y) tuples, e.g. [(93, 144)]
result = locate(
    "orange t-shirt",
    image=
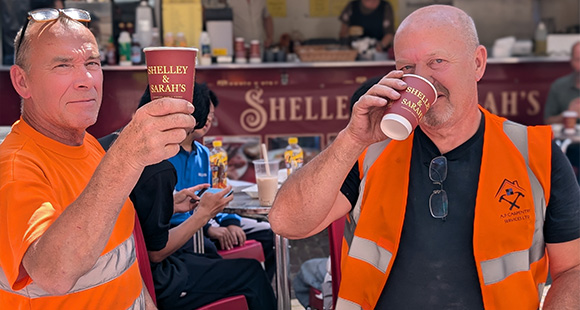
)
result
[(39, 178)]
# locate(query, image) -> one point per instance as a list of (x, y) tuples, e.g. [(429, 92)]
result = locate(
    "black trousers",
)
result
[(212, 278), (266, 238)]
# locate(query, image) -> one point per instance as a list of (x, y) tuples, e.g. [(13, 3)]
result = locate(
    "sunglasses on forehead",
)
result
[(47, 15)]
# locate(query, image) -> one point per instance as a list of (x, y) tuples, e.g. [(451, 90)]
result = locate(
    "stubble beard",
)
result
[(436, 118)]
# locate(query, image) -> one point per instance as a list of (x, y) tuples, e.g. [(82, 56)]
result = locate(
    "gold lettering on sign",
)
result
[(255, 119), (324, 109), (489, 103), (512, 103), (277, 106), (263, 109), (295, 109), (342, 108), (509, 99), (534, 103), (309, 115)]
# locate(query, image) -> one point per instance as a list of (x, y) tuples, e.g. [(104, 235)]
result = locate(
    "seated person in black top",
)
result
[(184, 279)]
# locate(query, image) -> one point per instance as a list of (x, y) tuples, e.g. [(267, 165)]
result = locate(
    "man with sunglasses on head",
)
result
[(65, 221), (464, 213)]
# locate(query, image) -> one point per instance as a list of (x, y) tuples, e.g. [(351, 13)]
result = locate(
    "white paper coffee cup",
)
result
[(404, 114)]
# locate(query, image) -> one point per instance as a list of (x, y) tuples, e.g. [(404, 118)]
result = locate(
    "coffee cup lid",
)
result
[(396, 126)]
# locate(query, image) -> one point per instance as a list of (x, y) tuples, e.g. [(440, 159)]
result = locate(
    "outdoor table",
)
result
[(246, 206)]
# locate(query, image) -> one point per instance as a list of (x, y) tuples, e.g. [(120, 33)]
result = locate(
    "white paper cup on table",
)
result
[(267, 180)]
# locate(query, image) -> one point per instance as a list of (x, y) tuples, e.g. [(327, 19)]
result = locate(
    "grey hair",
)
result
[(22, 51), (445, 15), (470, 36)]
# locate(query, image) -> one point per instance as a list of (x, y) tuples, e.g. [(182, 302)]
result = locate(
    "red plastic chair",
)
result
[(237, 302), (315, 299), (335, 235), (250, 249), (143, 258)]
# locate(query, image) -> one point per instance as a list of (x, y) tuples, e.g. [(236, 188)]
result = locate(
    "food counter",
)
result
[(267, 100)]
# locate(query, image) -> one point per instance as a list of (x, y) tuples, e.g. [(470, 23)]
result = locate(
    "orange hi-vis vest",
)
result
[(49, 176), (508, 245)]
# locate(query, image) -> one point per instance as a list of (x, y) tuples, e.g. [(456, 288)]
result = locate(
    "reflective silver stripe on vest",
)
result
[(373, 152), (497, 269), (370, 252), (107, 268), (139, 303), (343, 304), (541, 287), (519, 136)]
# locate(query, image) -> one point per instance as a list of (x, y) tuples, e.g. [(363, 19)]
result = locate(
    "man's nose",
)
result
[(84, 78), (424, 71)]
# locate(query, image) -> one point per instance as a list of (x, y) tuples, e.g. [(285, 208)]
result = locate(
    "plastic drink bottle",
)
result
[(169, 39), (144, 21), (180, 40), (293, 156), (124, 48), (136, 52), (155, 39), (218, 159), (540, 38), (205, 42)]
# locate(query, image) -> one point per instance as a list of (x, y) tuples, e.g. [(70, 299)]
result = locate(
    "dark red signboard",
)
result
[(302, 100)]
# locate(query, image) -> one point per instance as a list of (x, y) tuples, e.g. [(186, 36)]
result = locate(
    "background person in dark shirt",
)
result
[(564, 93), (374, 16)]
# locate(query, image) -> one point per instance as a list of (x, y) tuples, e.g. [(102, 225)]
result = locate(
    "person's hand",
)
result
[(238, 233), (211, 204), (268, 41), (368, 111), (186, 200), (380, 47), (155, 132), (575, 105), (223, 236)]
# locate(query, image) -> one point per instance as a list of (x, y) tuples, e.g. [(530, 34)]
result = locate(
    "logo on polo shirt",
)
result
[(510, 195)]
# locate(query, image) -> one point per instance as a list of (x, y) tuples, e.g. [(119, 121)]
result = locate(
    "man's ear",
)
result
[(20, 81), (480, 62)]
